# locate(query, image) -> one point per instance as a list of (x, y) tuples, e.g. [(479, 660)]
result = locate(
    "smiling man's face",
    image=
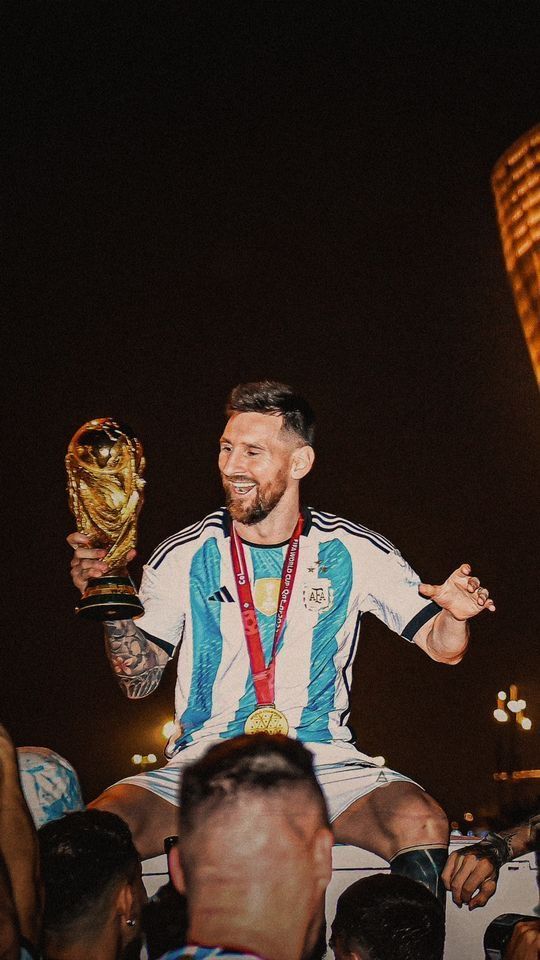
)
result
[(255, 462)]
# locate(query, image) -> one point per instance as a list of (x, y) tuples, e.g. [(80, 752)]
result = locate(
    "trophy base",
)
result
[(110, 598)]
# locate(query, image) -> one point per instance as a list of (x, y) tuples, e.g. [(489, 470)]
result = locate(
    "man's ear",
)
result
[(176, 871), (124, 901), (302, 461), (322, 857)]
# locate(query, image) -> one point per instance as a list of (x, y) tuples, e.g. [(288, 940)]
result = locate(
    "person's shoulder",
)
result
[(326, 524), (184, 539)]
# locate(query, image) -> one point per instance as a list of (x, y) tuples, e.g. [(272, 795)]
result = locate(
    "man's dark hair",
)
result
[(269, 396), (85, 856), (388, 917), (246, 765)]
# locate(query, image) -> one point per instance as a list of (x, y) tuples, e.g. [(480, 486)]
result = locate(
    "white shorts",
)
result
[(343, 772)]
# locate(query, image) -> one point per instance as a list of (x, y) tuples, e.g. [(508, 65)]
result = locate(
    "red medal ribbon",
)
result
[(263, 673)]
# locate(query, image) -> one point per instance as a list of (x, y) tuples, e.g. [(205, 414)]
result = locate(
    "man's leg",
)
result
[(149, 817), (405, 826)]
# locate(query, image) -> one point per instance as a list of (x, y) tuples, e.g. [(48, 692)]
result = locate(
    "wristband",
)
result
[(494, 847)]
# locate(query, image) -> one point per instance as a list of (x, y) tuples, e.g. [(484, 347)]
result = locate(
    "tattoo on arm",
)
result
[(137, 663), (525, 837)]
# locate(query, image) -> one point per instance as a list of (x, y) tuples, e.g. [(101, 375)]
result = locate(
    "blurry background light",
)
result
[(500, 715), (168, 729)]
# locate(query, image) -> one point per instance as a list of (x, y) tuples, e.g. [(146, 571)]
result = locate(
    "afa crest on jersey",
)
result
[(318, 595)]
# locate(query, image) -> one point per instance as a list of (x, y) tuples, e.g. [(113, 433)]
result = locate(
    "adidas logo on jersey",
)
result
[(222, 596)]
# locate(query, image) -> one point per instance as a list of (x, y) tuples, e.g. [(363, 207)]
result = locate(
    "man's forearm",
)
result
[(136, 662), (524, 838), (448, 638)]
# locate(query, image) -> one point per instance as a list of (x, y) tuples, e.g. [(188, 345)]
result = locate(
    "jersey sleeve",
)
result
[(393, 595), (163, 619)]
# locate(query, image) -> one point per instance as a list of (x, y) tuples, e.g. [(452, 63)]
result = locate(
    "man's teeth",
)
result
[(243, 487)]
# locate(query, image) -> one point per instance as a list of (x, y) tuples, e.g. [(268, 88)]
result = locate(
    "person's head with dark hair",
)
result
[(255, 850), (93, 887), (265, 450), (388, 917), (275, 399)]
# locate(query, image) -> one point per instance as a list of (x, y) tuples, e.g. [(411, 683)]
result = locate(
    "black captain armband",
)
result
[(496, 849)]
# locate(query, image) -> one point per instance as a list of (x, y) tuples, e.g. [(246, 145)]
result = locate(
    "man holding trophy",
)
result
[(264, 599)]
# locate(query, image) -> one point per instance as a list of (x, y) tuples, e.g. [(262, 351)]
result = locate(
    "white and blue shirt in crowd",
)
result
[(207, 953), (190, 599)]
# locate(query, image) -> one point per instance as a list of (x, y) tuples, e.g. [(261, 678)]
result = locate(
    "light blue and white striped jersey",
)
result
[(207, 953), (344, 570)]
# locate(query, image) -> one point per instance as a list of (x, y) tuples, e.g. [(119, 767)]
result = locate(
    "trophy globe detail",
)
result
[(104, 465)]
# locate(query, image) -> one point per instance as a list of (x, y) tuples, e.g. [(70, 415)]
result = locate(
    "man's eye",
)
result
[(253, 453)]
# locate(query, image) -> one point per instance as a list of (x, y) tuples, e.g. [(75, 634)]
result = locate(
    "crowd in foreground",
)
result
[(248, 872)]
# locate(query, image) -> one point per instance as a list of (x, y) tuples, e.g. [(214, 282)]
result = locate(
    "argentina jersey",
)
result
[(190, 599)]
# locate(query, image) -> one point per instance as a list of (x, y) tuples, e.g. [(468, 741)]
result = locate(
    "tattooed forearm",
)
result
[(524, 837), (136, 662)]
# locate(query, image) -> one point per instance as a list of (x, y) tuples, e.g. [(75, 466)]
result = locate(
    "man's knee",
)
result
[(119, 800), (419, 819)]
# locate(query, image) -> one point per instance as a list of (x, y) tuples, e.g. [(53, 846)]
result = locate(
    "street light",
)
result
[(516, 705), (168, 729), (143, 760)]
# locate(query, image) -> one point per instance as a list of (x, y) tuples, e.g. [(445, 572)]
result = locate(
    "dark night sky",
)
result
[(204, 193)]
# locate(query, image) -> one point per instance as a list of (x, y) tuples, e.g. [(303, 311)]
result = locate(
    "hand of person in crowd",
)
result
[(525, 941), (461, 594), (87, 561), (18, 844), (467, 871)]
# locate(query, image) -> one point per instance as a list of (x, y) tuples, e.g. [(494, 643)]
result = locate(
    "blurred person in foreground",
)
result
[(254, 855), (20, 888), (93, 888), (525, 942), (472, 872), (388, 917), (50, 784)]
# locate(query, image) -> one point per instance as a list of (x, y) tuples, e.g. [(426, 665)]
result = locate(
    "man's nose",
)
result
[(235, 463)]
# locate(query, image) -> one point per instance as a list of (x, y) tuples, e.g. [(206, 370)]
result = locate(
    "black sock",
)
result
[(424, 864)]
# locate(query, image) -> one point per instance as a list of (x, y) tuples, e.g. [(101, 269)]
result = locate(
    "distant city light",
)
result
[(500, 715), (168, 729), (515, 183), (469, 817), (526, 723), (501, 695), (142, 760)]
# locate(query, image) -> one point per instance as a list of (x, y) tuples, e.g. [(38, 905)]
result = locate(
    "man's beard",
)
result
[(255, 511)]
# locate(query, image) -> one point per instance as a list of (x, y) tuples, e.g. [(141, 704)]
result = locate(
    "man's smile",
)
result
[(241, 487)]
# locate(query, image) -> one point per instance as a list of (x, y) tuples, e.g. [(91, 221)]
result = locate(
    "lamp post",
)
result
[(510, 710)]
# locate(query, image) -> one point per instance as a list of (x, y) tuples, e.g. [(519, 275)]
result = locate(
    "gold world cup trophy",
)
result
[(104, 465)]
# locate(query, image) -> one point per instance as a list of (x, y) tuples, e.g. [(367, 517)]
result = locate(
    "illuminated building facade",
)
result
[(516, 185)]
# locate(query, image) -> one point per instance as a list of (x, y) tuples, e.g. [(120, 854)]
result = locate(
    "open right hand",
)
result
[(87, 561)]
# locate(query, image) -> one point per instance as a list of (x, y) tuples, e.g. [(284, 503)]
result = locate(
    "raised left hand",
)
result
[(462, 595)]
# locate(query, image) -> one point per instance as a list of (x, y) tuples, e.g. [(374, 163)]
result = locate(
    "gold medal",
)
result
[(267, 719)]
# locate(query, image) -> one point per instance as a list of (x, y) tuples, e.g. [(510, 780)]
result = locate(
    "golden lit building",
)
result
[(516, 185)]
